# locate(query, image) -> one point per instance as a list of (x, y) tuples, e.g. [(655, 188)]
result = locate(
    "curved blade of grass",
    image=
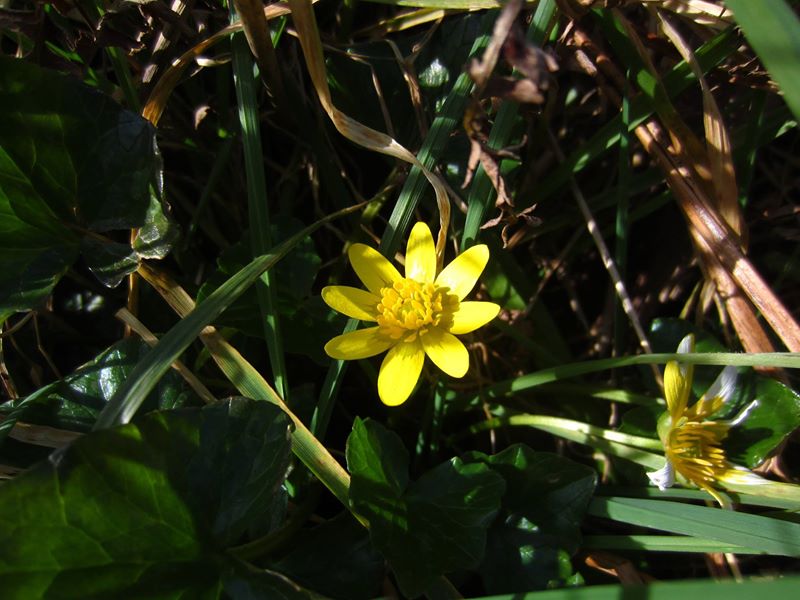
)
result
[(788, 360), (763, 534), (146, 374), (675, 493), (605, 440), (773, 30), (257, 208), (785, 587)]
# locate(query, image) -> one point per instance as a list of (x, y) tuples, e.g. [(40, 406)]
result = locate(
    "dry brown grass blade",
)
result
[(718, 144), (700, 12), (710, 168), (306, 26), (42, 435), (157, 101), (721, 240), (256, 30)]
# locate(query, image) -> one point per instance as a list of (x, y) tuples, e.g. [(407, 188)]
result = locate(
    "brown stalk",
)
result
[(720, 244), (256, 30)]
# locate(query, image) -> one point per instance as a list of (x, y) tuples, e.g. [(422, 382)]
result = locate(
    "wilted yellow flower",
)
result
[(693, 444), (416, 315)]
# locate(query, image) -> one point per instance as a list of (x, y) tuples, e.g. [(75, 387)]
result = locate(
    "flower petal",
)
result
[(664, 478), (446, 351), (716, 396), (421, 255), (399, 372), (362, 343), (676, 390), (353, 302), (462, 274), (372, 267), (472, 315)]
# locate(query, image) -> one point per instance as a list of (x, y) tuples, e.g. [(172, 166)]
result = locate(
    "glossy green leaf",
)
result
[(335, 559), (146, 509), (538, 530), (428, 527), (774, 417), (75, 401), (71, 160)]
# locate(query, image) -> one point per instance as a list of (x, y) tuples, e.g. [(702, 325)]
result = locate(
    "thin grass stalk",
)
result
[(258, 211)]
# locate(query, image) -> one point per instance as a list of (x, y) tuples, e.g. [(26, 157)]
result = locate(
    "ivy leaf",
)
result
[(72, 161), (75, 401), (538, 530), (119, 514), (425, 528)]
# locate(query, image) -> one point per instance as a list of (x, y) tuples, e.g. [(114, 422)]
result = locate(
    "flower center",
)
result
[(409, 308), (695, 449)]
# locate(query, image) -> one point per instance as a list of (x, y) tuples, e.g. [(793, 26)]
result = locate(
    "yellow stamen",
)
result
[(409, 308)]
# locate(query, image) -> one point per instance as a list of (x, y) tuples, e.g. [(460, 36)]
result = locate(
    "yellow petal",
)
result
[(421, 255), (399, 372), (372, 268), (358, 344), (446, 351), (462, 274), (353, 302), (676, 390), (472, 315)]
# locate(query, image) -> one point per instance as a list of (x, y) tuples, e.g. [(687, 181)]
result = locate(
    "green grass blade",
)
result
[(661, 543), (705, 589), (145, 375), (763, 534), (786, 360), (773, 30), (258, 211)]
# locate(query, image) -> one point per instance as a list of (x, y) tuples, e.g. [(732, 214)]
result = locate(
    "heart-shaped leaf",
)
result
[(425, 528), (147, 509)]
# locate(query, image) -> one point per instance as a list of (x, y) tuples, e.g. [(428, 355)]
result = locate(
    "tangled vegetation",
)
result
[(399, 298)]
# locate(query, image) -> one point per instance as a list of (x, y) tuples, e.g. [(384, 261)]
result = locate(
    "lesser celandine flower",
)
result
[(692, 443), (414, 315)]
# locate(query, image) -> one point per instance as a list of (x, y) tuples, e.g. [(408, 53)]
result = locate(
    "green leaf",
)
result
[(71, 160), (425, 528), (147, 508), (109, 261), (336, 559), (546, 497)]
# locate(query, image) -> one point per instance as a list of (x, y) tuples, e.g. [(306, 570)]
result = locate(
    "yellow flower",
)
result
[(415, 315), (693, 444)]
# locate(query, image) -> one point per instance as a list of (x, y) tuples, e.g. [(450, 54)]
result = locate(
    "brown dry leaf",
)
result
[(618, 567)]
